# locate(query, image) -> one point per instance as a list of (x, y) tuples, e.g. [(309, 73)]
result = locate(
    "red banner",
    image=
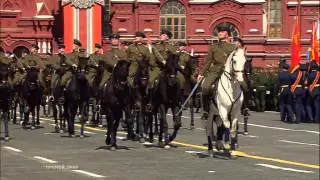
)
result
[(314, 53), (295, 48)]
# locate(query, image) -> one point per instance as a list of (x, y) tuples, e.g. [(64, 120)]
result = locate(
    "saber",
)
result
[(187, 100)]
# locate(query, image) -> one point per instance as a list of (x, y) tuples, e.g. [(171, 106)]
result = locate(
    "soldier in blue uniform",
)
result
[(298, 91), (314, 88), (283, 85)]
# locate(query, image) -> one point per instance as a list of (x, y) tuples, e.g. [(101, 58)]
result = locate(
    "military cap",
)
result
[(35, 46), (77, 42), (180, 43), (98, 46), (223, 27), (237, 39), (114, 36), (140, 34), (284, 65), (127, 43), (61, 46), (8, 52), (168, 33), (24, 51)]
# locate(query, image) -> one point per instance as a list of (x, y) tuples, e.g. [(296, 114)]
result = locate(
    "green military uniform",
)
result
[(214, 63), (164, 48), (260, 81), (110, 59), (56, 64), (184, 58), (138, 52), (32, 60), (9, 62), (93, 62), (70, 60)]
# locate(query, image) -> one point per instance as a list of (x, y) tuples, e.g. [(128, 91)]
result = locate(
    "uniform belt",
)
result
[(317, 85), (284, 86), (299, 85)]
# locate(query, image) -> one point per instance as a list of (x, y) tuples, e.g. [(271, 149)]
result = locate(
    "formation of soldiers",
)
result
[(264, 81)]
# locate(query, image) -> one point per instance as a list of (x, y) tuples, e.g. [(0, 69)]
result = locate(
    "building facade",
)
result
[(266, 26)]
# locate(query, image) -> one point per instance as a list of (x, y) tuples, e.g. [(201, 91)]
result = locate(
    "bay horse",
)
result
[(31, 93), (77, 96), (225, 110), (116, 99), (168, 95), (5, 98)]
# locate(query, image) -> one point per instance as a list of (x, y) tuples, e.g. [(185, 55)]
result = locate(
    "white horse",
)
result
[(228, 100)]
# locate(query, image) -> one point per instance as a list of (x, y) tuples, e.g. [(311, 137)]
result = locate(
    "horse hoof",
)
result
[(226, 148), (37, 123), (211, 153), (61, 131), (142, 140), (113, 148), (233, 156), (33, 128), (160, 144), (166, 147), (108, 141), (219, 145), (21, 122), (81, 136), (6, 139), (100, 125), (246, 133)]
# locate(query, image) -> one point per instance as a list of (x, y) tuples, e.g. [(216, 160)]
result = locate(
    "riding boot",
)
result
[(62, 94), (205, 104)]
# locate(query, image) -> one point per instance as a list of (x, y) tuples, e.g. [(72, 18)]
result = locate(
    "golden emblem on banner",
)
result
[(82, 4)]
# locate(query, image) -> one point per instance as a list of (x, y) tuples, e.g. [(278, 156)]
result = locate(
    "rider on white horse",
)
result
[(214, 65)]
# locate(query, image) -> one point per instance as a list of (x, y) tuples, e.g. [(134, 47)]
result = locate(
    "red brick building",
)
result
[(265, 25)]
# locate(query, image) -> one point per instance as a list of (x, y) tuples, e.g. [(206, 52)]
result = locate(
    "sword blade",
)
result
[(187, 100)]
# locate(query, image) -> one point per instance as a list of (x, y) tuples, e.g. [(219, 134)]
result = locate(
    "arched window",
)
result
[(234, 32), (18, 51), (106, 20), (173, 18)]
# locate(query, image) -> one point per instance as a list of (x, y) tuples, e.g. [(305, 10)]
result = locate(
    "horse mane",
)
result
[(121, 70), (32, 74), (171, 64)]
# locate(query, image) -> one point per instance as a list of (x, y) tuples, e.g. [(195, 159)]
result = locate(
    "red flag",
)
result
[(314, 43), (295, 48)]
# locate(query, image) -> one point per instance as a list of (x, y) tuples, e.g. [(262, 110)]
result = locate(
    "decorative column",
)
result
[(82, 21)]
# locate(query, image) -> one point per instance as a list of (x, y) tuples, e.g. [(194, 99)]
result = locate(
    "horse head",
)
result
[(248, 68), (235, 65), (142, 75), (171, 69), (32, 78), (120, 75), (81, 70)]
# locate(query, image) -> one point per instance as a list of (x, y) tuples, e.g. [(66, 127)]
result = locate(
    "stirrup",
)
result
[(148, 107), (51, 98)]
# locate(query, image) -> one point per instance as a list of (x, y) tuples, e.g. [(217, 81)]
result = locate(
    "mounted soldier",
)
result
[(138, 52), (163, 49), (19, 75), (93, 64), (184, 58), (71, 62), (111, 57), (214, 65), (57, 63)]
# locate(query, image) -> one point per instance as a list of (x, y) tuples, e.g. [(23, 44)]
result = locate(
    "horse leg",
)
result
[(150, 125), (22, 108), (109, 126), (234, 138), (72, 111), (129, 122), (33, 114), (6, 127), (156, 125), (82, 119), (176, 122), (38, 114), (163, 114), (192, 113), (141, 126), (209, 132), (54, 114)]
